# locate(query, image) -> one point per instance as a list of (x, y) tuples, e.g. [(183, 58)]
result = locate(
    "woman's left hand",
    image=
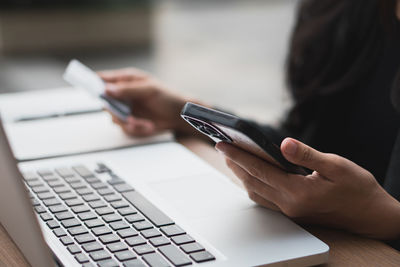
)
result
[(338, 193)]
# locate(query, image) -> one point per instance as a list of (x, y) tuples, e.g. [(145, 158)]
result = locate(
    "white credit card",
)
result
[(79, 75)]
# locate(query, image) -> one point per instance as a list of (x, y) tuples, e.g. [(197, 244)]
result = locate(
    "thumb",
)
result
[(303, 155), (127, 90)]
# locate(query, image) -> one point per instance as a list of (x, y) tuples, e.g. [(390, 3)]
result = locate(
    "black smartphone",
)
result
[(224, 127)]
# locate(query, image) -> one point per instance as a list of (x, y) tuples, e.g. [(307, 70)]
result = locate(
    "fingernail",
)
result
[(290, 147), (111, 87), (220, 148)]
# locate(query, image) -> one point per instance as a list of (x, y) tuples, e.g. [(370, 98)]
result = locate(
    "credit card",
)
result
[(79, 75)]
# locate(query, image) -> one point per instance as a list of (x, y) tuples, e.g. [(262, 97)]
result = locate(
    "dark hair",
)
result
[(334, 44)]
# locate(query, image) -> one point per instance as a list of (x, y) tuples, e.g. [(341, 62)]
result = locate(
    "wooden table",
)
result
[(345, 249)]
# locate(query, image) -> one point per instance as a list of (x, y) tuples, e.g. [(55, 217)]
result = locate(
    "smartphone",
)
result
[(224, 127), (79, 75)]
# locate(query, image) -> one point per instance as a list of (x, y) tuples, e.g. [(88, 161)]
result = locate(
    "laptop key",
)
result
[(81, 258), (94, 223), (142, 225), (135, 241), (70, 223), (108, 263), (104, 211), (159, 241), (78, 230), (172, 230), (123, 188), (182, 239), (78, 185), (112, 218), (61, 189), (84, 191), (127, 211), (149, 233), (175, 255), (115, 180), (66, 240), (192, 247), (57, 208), (119, 225), (84, 216), (49, 178), (98, 204), (40, 189), (83, 171), (124, 233), (134, 263), (55, 183), (59, 232), (113, 197), (134, 218), (84, 238), (155, 215), (40, 209), (105, 191), (92, 246), (92, 180), (119, 204), (74, 202), (73, 179), (35, 202), (73, 249), (53, 224), (118, 246), (202, 256), (68, 195), (143, 249), (45, 195), (103, 230), (64, 215), (30, 176), (110, 238), (125, 255), (45, 172), (65, 172), (51, 202), (99, 185), (34, 183), (155, 260), (80, 208), (90, 197)]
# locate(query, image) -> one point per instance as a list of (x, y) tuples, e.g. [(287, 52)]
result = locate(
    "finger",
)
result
[(126, 74), (253, 184), (135, 126), (256, 167), (262, 201), (303, 155)]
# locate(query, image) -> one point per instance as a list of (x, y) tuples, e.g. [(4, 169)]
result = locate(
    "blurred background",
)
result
[(228, 53)]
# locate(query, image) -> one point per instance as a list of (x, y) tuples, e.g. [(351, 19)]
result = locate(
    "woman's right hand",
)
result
[(154, 108)]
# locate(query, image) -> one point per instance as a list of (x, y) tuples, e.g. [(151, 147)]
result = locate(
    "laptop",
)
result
[(152, 205)]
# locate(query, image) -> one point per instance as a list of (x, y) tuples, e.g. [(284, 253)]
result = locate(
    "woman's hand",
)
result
[(338, 193), (154, 108)]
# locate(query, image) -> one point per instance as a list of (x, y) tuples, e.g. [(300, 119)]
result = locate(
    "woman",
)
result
[(342, 64)]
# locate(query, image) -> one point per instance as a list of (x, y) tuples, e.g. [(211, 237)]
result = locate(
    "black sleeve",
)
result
[(392, 181)]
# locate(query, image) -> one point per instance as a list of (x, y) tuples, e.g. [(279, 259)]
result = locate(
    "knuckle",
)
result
[(252, 195), (254, 169), (307, 155)]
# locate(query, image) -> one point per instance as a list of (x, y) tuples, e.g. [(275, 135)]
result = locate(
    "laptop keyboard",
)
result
[(109, 223)]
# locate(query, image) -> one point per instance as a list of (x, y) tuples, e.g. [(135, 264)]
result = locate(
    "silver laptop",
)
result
[(153, 205)]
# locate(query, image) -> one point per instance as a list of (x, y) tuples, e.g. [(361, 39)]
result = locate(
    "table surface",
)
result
[(345, 249)]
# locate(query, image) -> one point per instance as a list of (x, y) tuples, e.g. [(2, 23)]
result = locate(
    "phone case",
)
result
[(220, 126)]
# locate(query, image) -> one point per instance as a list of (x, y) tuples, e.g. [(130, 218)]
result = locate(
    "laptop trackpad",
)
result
[(202, 196)]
